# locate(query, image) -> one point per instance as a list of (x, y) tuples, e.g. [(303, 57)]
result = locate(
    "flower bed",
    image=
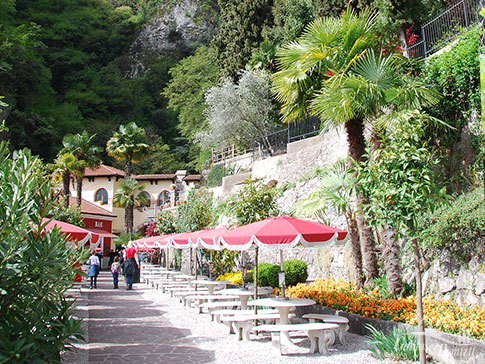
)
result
[(442, 315), (233, 277)]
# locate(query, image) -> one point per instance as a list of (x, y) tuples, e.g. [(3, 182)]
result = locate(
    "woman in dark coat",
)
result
[(130, 265)]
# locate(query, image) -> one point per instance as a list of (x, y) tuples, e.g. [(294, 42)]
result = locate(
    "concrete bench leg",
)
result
[(276, 341), (242, 329), (318, 339), (341, 333), (229, 325)]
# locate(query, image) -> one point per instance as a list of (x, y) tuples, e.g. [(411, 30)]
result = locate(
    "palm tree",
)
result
[(63, 165), (336, 187), (332, 72), (128, 145), (86, 154), (129, 197)]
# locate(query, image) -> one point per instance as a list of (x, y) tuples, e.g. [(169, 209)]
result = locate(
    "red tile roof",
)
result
[(90, 208), (193, 177), (103, 171), (144, 177)]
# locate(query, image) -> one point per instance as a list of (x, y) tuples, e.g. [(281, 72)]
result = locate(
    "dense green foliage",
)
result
[(268, 275), (456, 72), (223, 261), (63, 68), (456, 227), (166, 223), (400, 180), (215, 176), (296, 271), (191, 78), (240, 33), (72, 214), (398, 344), (195, 214), (36, 269), (254, 202)]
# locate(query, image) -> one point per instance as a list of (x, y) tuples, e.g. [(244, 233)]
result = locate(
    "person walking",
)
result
[(130, 265), (115, 271), (93, 270)]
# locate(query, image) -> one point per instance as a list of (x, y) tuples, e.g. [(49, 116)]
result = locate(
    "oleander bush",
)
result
[(36, 268)]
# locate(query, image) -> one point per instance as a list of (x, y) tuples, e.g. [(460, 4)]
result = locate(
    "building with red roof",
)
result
[(161, 190)]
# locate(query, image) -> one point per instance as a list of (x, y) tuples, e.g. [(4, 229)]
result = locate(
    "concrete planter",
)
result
[(447, 348)]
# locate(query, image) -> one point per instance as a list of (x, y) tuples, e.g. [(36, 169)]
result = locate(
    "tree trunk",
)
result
[(356, 252), (390, 255), (66, 179), (419, 304), (356, 141), (129, 220), (128, 165), (79, 187)]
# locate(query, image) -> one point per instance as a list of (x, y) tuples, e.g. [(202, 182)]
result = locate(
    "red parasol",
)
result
[(282, 232), (72, 232), (209, 239)]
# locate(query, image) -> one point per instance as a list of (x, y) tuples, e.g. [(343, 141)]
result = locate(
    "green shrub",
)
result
[(215, 176), (36, 269), (223, 261), (268, 274), (456, 227), (296, 271), (397, 345)]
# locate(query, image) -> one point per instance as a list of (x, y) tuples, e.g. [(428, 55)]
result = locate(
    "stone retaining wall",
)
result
[(447, 348)]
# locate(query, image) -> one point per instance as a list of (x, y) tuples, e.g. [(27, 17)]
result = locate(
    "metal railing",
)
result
[(444, 27), (277, 141)]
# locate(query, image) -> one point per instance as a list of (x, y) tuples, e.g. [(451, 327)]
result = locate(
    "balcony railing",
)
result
[(444, 27)]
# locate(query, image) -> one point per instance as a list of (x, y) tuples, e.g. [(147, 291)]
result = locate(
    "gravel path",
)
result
[(147, 326)]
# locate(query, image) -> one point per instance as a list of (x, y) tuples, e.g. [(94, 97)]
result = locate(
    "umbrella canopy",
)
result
[(282, 232), (209, 239), (182, 240), (72, 232), (165, 241)]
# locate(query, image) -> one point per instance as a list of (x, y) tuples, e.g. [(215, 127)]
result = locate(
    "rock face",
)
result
[(185, 24), (463, 283)]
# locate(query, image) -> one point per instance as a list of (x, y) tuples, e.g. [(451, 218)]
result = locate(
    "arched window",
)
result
[(163, 198), (147, 198), (101, 196)]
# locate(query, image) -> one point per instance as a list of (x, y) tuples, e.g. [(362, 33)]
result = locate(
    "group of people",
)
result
[(126, 262)]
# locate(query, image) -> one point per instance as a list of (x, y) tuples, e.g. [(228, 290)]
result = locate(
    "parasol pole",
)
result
[(256, 278), (282, 276), (196, 262), (210, 264)]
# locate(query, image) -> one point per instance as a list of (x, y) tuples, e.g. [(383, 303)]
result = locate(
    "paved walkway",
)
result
[(123, 327)]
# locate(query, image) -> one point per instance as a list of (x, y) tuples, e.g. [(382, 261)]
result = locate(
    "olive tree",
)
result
[(237, 113)]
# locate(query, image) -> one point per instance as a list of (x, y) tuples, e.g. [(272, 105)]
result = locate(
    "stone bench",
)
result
[(182, 295), (216, 314), (342, 322), (223, 302), (318, 333), (243, 323)]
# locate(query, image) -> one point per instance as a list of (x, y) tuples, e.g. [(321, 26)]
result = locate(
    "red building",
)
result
[(97, 220)]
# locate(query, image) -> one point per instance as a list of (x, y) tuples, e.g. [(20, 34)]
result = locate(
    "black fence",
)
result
[(444, 27), (276, 142)]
